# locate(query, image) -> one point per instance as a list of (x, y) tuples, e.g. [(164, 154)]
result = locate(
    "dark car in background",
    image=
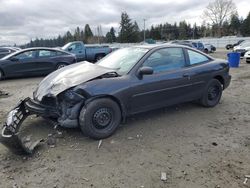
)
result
[(230, 46), (7, 50), (34, 62)]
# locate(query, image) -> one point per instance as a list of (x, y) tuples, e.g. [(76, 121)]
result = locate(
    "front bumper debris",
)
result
[(10, 132)]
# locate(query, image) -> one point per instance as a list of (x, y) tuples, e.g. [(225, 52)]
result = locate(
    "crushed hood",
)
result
[(67, 77)]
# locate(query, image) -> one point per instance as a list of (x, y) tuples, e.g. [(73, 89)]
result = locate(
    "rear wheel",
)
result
[(212, 94), (100, 118), (60, 65)]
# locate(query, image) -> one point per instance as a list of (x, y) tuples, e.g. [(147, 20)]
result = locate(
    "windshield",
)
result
[(123, 60)]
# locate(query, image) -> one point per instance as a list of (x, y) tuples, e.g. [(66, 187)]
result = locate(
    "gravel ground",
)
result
[(194, 146)]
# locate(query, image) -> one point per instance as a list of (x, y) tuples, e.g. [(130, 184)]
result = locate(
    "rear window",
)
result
[(196, 58)]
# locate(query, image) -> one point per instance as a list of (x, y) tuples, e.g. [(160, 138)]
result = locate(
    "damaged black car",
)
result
[(98, 97)]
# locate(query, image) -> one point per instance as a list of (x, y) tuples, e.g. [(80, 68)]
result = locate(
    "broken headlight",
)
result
[(72, 97)]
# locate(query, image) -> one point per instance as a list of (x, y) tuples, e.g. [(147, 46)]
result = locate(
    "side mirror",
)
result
[(14, 59), (69, 49), (145, 71)]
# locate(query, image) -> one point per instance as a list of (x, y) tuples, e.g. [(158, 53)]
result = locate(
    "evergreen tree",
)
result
[(246, 26), (87, 33), (126, 28), (235, 24)]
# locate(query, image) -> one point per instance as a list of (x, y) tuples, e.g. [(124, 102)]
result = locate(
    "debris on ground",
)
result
[(51, 141), (99, 144), (246, 179), (214, 144), (3, 93), (163, 176)]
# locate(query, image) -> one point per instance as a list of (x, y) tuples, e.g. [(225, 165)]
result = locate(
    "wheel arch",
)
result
[(115, 99), (220, 79)]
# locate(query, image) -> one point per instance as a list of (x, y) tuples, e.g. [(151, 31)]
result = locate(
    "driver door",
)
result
[(22, 64), (168, 84)]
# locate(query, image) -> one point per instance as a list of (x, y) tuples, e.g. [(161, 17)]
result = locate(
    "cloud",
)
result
[(22, 20)]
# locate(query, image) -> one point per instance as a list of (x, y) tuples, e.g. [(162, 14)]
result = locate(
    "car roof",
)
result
[(42, 48), (36, 48)]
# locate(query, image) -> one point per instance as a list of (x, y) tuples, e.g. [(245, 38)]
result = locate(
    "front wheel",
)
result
[(100, 118), (212, 93)]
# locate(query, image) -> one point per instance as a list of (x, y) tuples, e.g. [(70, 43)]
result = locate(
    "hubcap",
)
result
[(102, 118), (213, 93)]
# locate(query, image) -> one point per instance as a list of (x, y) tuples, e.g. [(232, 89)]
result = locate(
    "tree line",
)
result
[(129, 32)]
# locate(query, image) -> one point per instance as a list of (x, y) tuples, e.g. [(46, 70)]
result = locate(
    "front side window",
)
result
[(26, 55), (196, 58), (46, 53), (166, 60)]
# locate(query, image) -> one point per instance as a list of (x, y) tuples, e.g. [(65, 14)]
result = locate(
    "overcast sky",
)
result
[(22, 20)]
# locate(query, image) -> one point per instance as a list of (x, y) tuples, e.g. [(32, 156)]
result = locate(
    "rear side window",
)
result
[(166, 59), (196, 58), (46, 53)]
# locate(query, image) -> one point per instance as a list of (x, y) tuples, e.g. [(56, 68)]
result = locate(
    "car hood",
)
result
[(68, 77)]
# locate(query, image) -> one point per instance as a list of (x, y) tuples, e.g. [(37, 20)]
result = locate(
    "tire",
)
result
[(61, 65), (1, 75), (206, 51), (212, 94), (99, 57), (100, 118)]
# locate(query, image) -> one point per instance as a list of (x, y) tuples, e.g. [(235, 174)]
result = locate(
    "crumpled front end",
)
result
[(63, 109), (10, 131)]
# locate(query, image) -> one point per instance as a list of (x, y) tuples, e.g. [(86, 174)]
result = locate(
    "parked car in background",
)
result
[(209, 48), (83, 52), (242, 48), (198, 45), (7, 50), (230, 46), (34, 61), (247, 56)]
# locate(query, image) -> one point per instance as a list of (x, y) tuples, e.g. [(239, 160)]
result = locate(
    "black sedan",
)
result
[(34, 62), (97, 97)]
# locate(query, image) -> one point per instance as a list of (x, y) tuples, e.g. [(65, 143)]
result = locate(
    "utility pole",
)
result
[(144, 33)]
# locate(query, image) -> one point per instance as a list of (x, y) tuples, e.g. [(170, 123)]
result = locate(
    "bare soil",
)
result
[(195, 146)]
